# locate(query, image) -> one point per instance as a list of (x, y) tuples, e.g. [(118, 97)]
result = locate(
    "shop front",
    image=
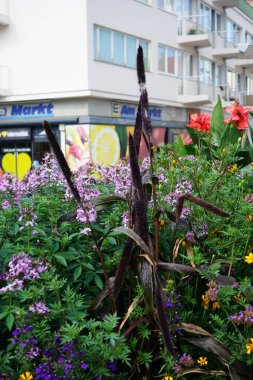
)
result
[(101, 137), (87, 129), (23, 142)]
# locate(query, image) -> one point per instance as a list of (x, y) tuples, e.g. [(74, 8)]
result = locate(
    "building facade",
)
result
[(74, 64)]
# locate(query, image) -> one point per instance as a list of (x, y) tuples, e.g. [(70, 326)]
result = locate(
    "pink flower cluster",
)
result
[(39, 308), (22, 268), (245, 316)]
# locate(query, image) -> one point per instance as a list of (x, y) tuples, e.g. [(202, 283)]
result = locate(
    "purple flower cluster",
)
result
[(172, 307), (39, 308), (182, 187), (47, 174), (23, 337), (186, 360), (200, 233), (213, 291), (62, 358), (22, 268), (243, 317), (111, 365), (86, 214), (6, 204), (249, 198), (28, 217)]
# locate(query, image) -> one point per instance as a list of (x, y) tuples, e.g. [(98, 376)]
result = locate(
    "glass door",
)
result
[(15, 158)]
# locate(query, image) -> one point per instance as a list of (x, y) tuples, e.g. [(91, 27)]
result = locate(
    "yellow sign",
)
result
[(18, 165)]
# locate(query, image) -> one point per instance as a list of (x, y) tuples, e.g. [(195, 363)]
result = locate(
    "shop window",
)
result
[(40, 148)]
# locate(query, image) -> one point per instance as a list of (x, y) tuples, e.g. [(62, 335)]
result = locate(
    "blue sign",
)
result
[(27, 111), (130, 111)]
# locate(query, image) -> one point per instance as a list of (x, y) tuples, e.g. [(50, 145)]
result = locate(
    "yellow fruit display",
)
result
[(104, 145)]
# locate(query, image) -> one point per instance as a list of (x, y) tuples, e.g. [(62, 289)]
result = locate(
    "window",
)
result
[(248, 38), (205, 17), (233, 32), (210, 20), (166, 5), (233, 80), (167, 60), (249, 86), (184, 64), (217, 75), (175, 62), (205, 71), (118, 48), (215, 21), (183, 8)]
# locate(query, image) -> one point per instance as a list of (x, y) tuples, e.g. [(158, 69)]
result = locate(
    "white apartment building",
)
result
[(74, 64)]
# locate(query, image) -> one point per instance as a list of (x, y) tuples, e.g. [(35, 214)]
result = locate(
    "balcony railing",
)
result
[(224, 39), (193, 86), (4, 12), (194, 24), (5, 76)]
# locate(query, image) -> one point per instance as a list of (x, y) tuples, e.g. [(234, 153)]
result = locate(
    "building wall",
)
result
[(45, 46)]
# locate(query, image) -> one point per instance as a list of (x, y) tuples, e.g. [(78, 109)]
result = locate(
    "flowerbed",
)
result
[(137, 271)]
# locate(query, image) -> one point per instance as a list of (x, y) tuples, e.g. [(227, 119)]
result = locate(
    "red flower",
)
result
[(200, 122), (239, 115)]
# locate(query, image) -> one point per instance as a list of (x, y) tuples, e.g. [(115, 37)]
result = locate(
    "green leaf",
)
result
[(77, 272), (98, 282), (185, 150), (9, 321), (230, 135), (105, 201), (217, 122), (112, 240), (61, 260), (133, 235), (3, 314), (89, 266)]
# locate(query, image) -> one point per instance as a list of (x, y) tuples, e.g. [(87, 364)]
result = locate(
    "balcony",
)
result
[(192, 92), (4, 80), (4, 12), (226, 3), (194, 31), (244, 63), (228, 46)]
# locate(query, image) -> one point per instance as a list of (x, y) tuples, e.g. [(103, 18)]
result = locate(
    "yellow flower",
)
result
[(26, 376), (202, 361), (249, 259), (250, 217), (238, 297), (249, 346), (205, 300), (216, 305), (162, 223), (167, 378)]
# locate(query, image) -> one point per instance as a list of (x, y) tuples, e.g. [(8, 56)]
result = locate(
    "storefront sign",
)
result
[(15, 134), (2, 111), (130, 111), (17, 111)]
